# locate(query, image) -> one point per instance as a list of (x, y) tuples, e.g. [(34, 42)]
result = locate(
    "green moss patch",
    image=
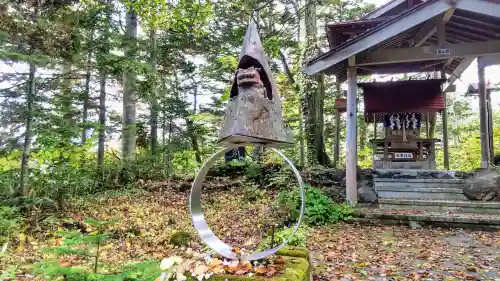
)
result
[(296, 269)]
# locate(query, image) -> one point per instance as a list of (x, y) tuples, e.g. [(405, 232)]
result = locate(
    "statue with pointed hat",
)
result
[(254, 113), (253, 117)]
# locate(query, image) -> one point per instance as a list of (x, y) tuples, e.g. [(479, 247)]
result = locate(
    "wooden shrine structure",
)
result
[(403, 107), (408, 36)]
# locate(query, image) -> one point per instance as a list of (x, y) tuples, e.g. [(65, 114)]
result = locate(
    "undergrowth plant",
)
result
[(280, 235), (10, 224), (319, 209), (88, 247)]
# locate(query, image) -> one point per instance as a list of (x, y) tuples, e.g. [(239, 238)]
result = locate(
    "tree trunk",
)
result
[(23, 189), (153, 96), (102, 122), (362, 137), (300, 21), (86, 97), (191, 129), (129, 96), (312, 94), (102, 96)]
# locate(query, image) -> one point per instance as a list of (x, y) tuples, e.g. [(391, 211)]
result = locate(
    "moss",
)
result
[(181, 238), (292, 251), (296, 269)]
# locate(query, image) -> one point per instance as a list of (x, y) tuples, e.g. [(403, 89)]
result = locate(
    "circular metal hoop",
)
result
[(201, 224)]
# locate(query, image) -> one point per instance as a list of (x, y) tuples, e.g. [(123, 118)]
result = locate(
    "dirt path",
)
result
[(349, 252)]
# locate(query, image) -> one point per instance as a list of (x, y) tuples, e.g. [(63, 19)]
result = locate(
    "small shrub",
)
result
[(299, 239), (181, 238), (319, 210), (282, 178), (76, 243), (252, 193), (10, 224)]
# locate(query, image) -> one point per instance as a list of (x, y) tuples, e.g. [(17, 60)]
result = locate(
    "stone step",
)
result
[(467, 220), (419, 183), (440, 206), (423, 193)]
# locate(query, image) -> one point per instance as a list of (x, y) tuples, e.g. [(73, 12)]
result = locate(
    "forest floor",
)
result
[(343, 251)]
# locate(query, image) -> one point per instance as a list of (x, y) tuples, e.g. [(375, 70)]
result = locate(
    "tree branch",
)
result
[(289, 74)]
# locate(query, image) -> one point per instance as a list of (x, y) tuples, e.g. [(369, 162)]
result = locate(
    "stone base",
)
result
[(297, 268)]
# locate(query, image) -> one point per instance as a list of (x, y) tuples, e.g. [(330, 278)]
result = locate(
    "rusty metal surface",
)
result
[(254, 111)]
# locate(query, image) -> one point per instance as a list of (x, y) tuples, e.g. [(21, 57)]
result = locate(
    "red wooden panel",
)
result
[(341, 104), (403, 96)]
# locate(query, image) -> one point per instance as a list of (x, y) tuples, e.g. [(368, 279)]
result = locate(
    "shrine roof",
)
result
[(469, 21), (423, 96)]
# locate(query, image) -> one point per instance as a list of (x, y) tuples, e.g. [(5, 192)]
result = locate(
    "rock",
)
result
[(181, 238), (483, 186), (415, 225), (442, 175), (424, 175), (336, 193), (366, 194), (463, 175), (365, 174)]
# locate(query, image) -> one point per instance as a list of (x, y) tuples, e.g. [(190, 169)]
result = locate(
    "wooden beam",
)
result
[(485, 7), (384, 9), (457, 73), (489, 60), (380, 34), (431, 27), (398, 55)]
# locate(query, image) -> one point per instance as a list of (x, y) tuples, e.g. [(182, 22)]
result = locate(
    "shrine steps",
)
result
[(425, 189), (417, 219), (441, 206)]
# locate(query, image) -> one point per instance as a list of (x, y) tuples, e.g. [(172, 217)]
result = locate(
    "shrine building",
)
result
[(438, 37)]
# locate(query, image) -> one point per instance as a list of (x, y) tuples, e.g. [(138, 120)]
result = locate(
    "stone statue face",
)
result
[(249, 82)]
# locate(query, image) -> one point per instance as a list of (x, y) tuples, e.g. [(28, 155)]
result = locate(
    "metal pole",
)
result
[(351, 141), (483, 118)]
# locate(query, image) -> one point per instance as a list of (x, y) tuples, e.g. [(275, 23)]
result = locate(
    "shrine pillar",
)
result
[(490, 124), (483, 117), (446, 151), (351, 140)]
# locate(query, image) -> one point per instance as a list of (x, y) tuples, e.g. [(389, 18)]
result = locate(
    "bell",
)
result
[(254, 113)]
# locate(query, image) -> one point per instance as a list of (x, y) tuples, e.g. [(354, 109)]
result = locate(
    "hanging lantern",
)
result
[(254, 112)]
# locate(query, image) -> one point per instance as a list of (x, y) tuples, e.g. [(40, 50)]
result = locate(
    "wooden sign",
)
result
[(341, 105)]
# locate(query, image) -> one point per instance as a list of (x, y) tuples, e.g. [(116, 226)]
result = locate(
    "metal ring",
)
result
[(201, 225)]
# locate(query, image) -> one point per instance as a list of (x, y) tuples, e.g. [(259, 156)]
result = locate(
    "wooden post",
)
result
[(490, 126), (483, 118), (336, 148), (351, 141), (427, 131), (446, 153)]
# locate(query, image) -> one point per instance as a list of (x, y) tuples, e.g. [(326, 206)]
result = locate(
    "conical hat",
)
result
[(238, 126)]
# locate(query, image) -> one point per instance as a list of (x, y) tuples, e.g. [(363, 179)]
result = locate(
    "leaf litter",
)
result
[(340, 252)]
